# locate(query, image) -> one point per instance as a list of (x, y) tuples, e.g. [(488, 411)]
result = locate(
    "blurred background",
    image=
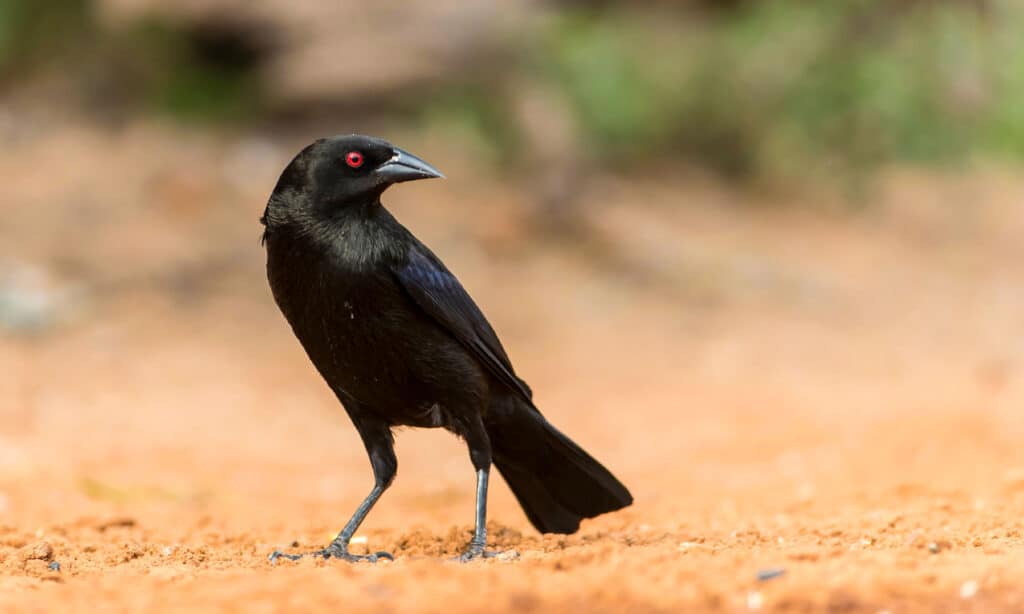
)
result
[(755, 255)]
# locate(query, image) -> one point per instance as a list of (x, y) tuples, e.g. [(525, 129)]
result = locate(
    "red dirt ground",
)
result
[(834, 395)]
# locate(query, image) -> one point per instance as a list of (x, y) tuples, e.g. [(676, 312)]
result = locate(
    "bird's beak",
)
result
[(404, 166)]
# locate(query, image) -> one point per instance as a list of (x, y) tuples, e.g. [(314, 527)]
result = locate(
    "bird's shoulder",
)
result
[(437, 292)]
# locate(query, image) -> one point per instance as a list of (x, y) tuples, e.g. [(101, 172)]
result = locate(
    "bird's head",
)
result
[(339, 172)]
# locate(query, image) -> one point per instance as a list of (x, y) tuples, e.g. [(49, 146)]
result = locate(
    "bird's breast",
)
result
[(369, 340), (359, 330)]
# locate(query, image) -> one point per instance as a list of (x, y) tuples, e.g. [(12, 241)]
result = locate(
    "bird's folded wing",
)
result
[(437, 292)]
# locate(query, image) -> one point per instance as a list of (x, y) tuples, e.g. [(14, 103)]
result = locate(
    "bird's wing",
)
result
[(437, 292)]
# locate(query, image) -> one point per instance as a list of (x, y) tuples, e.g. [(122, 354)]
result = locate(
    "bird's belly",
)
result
[(401, 367)]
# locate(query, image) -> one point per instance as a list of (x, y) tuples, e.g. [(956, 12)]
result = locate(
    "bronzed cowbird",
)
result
[(401, 343)]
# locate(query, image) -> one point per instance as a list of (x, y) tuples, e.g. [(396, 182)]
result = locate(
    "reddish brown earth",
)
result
[(836, 395)]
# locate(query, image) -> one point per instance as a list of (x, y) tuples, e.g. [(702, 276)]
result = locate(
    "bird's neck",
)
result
[(360, 235)]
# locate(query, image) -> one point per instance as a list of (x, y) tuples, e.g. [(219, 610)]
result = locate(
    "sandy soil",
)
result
[(832, 399)]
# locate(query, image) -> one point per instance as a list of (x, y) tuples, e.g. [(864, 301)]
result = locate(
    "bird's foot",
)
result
[(477, 552), (336, 550)]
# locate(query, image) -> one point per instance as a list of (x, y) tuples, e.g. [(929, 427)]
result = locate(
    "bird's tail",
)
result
[(555, 481)]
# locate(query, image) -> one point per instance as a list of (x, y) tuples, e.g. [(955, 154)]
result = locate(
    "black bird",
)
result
[(401, 343)]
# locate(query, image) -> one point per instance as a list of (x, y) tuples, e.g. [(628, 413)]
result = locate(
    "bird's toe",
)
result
[(476, 554), (277, 554), (337, 552), (334, 551)]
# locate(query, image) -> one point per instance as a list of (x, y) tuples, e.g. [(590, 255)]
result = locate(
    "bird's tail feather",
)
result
[(555, 481)]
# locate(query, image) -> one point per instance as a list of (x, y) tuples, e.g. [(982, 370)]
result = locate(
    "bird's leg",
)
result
[(480, 454), (478, 544), (338, 548), (380, 447)]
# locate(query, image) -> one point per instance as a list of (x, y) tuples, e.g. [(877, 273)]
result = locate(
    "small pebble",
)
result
[(359, 539), (770, 573), (39, 551), (933, 547), (968, 589), (31, 300), (55, 566), (754, 600)]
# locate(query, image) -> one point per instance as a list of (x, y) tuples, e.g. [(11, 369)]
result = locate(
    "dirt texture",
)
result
[(815, 409)]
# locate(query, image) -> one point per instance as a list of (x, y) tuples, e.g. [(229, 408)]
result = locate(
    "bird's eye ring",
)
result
[(354, 159)]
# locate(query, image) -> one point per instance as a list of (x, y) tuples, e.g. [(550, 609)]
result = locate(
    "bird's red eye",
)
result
[(354, 159)]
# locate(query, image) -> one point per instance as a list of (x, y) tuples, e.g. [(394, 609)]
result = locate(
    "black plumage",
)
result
[(401, 343)]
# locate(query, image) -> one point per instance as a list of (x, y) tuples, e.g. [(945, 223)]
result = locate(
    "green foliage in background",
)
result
[(180, 73), (789, 86), (31, 30), (749, 88), (475, 115), (149, 65)]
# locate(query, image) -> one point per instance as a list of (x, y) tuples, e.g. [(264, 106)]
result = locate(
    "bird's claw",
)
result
[(473, 555), (277, 554), (345, 555), (476, 552), (333, 552)]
